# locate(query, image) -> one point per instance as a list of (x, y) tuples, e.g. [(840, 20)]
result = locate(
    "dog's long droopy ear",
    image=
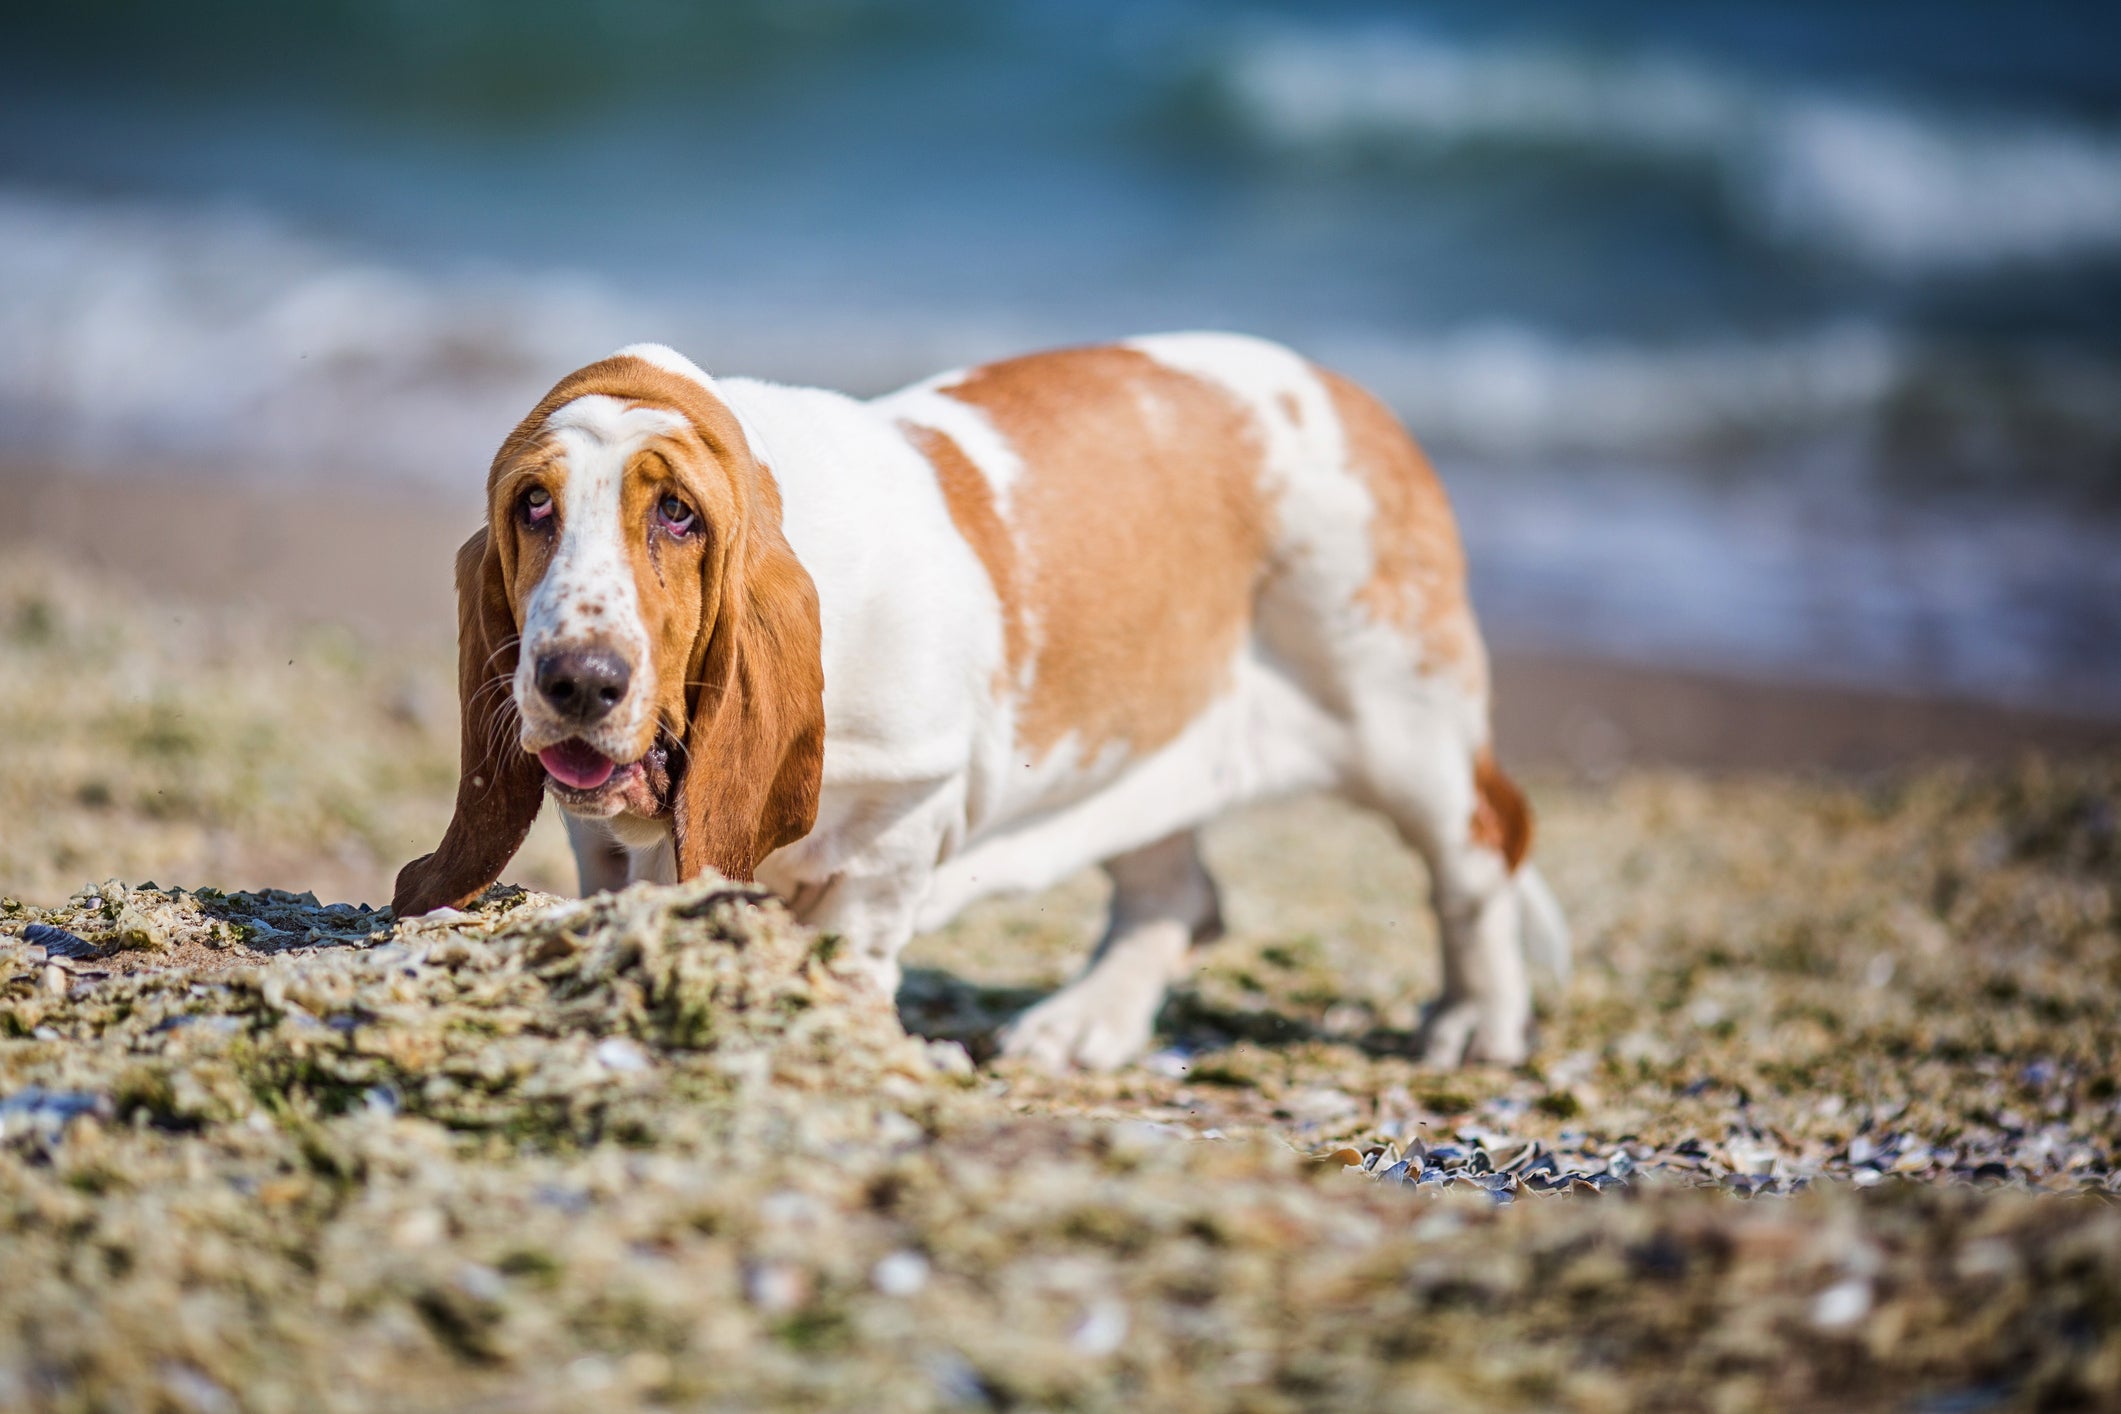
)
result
[(500, 786), (756, 747)]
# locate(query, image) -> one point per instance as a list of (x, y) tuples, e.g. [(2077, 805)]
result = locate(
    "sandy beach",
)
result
[(1825, 1116)]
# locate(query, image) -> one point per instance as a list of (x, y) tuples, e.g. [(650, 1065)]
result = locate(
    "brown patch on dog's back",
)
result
[(972, 510), (1139, 536), (1418, 575), (1502, 821)]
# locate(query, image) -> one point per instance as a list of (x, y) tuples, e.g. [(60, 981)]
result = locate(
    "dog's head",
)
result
[(634, 633)]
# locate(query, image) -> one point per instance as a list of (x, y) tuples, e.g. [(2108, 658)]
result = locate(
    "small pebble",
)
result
[(1842, 1304), (590, 1372), (950, 1058), (618, 1053), (42, 1116), (480, 1282), (776, 1288), (900, 1274), (194, 1392), (1102, 1331)]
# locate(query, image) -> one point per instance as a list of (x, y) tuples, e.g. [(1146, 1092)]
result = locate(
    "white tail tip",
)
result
[(1546, 931)]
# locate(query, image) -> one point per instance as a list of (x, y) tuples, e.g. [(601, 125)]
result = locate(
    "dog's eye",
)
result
[(537, 505), (675, 515)]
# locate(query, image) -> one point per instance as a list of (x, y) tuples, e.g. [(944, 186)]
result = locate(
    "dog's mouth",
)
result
[(587, 782), (578, 765)]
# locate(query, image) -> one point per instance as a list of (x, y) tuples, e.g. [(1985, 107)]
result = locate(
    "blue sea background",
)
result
[(1778, 339)]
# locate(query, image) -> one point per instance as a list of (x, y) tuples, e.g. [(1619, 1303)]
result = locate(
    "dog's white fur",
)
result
[(928, 802)]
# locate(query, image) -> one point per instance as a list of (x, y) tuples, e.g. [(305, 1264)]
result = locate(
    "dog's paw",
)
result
[(1083, 1027), (1467, 1032)]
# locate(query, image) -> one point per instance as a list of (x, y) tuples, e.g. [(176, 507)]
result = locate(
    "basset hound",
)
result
[(886, 657)]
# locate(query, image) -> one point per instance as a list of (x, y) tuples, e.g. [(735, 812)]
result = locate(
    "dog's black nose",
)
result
[(583, 685)]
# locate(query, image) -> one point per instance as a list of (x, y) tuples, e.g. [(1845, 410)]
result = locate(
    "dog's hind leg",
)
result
[(1392, 650), (1163, 904), (1439, 785)]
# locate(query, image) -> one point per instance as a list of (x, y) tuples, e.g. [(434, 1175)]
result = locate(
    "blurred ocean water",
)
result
[(1779, 338)]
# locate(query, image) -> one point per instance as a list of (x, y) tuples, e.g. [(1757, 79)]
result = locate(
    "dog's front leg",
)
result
[(600, 861), (866, 874), (873, 915)]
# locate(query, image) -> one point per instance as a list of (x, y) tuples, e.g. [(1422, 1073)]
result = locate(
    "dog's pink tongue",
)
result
[(577, 764)]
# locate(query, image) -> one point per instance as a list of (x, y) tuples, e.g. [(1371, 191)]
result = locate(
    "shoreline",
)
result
[(377, 559)]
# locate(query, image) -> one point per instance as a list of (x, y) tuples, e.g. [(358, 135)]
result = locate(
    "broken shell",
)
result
[(58, 942)]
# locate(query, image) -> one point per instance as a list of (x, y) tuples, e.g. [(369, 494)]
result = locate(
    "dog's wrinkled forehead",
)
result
[(588, 587), (669, 360), (604, 420)]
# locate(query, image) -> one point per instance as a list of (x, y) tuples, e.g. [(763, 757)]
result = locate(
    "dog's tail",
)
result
[(1544, 929), (1502, 819)]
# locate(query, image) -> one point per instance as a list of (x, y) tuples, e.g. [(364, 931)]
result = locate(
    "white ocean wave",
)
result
[(209, 337), (1908, 192), (1316, 88), (1512, 392), (184, 336), (226, 340), (1894, 186)]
